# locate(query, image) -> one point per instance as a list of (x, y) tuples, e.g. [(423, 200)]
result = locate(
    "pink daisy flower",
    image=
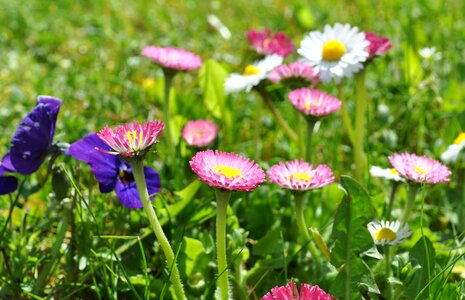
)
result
[(314, 102), (131, 139), (300, 175), (227, 171), (267, 43), (173, 58), (419, 168), (199, 133), (293, 71), (378, 44), (290, 292)]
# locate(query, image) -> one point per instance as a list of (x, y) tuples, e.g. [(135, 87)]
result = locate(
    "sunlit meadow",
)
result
[(232, 150)]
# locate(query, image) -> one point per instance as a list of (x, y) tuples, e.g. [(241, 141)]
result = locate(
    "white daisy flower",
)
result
[(452, 152), (387, 233), (390, 174), (336, 52), (430, 53), (252, 75)]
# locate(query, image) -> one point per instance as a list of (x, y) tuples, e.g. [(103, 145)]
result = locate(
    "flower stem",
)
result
[(387, 261), (360, 110), (257, 129), (266, 97), (345, 115), (139, 178), (299, 213), (412, 192), (222, 199), (166, 115), (395, 186), (310, 126)]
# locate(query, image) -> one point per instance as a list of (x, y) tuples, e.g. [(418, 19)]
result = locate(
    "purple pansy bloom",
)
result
[(113, 173), (30, 143)]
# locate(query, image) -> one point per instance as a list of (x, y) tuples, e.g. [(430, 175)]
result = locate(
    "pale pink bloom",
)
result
[(173, 58), (227, 171), (295, 70), (419, 168), (131, 139), (267, 43), (314, 102), (199, 133), (378, 44), (290, 292), (300, 175)]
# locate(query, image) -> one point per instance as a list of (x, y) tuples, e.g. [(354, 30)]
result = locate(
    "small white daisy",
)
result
[(452, 152), (430, 53), (252, 75), (387, 233), (390, 174), (337, 52)]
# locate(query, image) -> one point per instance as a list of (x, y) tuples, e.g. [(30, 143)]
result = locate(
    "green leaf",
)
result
[(193, 250), (422, 254), (212, 77), (351, 238)]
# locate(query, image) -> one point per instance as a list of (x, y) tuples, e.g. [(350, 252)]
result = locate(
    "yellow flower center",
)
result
[(251, 70), (394, 172), (310, 104), (132, 137), (333, 50), (227, 171), (420, 170), (460, 138), (385, 234), (300, 177)]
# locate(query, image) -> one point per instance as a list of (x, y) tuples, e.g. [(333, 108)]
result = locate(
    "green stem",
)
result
[(266, 97), (412, 192), (139, 178), (257, 129), (428, 267), (222, 199), (387, 261), (310, 126), (345, 116), (395, 186), (299, 213), (166, 114), (360, 110), (300, 131)]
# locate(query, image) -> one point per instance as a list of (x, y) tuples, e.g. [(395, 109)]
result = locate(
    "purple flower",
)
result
[(30, 143), (113, 173)]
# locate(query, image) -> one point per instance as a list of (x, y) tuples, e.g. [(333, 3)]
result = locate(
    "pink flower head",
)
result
[(314, 102), (300, 175), (267, 43), (290, 292), (131, 139), (199, 133), (227, 171), (173, 58), (378, 44), (295, 70), (419, 168)]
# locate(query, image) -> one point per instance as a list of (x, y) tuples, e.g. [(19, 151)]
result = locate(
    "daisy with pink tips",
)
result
[(378, 44), (290, 292), (294, 72), (419, 169), (314, 102), (226, 172), (300, 176), (131, 139), (199, 133), (173, 58), (266, 42)]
